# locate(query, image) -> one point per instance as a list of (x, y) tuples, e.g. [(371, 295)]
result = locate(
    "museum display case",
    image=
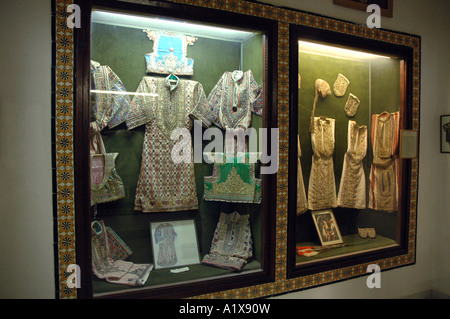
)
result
[(350, 110), (178, 193), (228, 149)]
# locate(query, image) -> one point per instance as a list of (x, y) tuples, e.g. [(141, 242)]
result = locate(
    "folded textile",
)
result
[(104, 266), (232, 244)]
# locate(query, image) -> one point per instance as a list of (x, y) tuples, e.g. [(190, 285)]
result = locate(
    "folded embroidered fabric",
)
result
[(118, 249), (232, 244), (104, 266)]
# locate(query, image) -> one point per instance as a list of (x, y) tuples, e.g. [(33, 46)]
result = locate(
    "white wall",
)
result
[(26, 225)]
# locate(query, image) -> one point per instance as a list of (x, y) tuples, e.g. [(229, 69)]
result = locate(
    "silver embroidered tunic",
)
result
[(352, 189), (322, 187), (164, 184)]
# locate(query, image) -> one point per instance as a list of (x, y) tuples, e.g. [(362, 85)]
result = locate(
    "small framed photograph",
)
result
[(445, 133), (327, 227), (174, 243)]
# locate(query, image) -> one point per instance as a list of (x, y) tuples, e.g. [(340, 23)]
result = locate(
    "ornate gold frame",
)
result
[(63, 139)]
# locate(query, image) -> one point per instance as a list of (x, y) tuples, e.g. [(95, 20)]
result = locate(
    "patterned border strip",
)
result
[(64, 61), (64, 172)]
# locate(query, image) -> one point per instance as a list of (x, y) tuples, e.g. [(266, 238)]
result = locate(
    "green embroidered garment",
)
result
[(233, 178)]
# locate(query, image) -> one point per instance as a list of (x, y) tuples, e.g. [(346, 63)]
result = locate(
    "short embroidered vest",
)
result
[(233, 180), (169, 54)]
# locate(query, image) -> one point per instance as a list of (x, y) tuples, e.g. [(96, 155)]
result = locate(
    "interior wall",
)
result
[(26, 212), (26, 208)]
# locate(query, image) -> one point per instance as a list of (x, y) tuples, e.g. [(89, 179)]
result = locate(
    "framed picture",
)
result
[(327, 227), (445, 133), (174, 243), (409, 141), (386, 6)]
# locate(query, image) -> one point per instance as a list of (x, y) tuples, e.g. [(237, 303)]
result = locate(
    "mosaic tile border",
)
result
[(63, 140), (63, 146)]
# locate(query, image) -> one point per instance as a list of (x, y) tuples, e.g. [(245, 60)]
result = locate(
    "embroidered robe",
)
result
[(165, 236), (110, 108), (302, 202), (165, 183), (383, 193), (352, 189)]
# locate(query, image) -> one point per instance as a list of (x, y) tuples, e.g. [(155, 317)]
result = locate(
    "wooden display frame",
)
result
[(70, 106)]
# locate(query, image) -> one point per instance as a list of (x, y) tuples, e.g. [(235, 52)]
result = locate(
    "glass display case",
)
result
[(228, 149), (178, 110), (349, 101)]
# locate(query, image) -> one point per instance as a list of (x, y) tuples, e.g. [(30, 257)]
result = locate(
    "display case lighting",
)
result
[(337, 52), (141, 22)]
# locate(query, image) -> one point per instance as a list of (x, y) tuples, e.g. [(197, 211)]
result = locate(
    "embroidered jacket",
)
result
[(231, 102), (112, 106)]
